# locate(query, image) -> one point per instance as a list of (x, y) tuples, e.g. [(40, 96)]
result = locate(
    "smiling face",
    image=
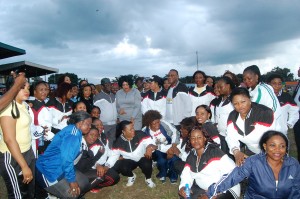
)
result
[(23, 94), (67, 80), (197, 139), (155, 125), (209, 81), (202, 115), (242, 104), (87, 91), (275, 148), (224, 89)]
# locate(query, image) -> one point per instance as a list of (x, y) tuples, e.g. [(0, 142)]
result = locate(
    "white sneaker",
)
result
[(150, 183), (131, 180)]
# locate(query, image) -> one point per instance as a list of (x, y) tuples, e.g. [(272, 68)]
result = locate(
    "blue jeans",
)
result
[(164, 165)]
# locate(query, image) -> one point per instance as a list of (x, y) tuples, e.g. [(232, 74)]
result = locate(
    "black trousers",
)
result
[(126, 166), (12, 175), (110, 178), (297, 137)]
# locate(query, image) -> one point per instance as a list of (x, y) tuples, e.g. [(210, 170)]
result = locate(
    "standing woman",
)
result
[(85, 95), (55, 168), (128, 101), (222, 109), (60, 107), (42, 118), (271, 174), (246, 124), (201, 93), (262, 93), (16, 156)]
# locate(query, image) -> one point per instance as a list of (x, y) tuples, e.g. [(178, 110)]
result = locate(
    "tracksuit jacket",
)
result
[(205, 97), (264, 94), (259, 120), (181, 105), (261, 179), (290, 111), (107, 104), (213, 164), (58, 160), (152, 101), (133, 149)]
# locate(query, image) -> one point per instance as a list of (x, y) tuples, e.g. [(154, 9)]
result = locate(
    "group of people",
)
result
[(211, 136)]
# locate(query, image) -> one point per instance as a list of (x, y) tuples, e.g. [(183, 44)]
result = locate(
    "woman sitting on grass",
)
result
[(132, 149), (94, 156), (206, 164), (271, 173)]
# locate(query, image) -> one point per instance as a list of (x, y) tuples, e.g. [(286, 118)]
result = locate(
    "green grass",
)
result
[(140, 190)]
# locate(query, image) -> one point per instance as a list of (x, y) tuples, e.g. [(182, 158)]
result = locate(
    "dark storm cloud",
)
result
[(75, 34)]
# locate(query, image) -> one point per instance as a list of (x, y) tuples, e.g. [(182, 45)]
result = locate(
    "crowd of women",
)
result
[(215, 138)]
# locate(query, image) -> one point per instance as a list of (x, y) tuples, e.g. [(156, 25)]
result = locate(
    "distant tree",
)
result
[(284, 72), (52, 79)]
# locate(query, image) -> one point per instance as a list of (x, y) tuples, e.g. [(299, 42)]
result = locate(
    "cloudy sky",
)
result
[(108, 38)]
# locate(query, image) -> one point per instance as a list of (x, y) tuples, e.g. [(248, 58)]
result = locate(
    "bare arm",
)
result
[(13, 91), (8, 125)]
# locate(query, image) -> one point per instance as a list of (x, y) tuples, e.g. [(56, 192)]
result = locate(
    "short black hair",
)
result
[(227, 80), (120, 127), (200, 72), (274, 76), (176, 71), (267, 135), (239, 91), (78, 117)]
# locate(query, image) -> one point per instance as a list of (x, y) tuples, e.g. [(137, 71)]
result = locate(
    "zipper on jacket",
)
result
[(130, 146)]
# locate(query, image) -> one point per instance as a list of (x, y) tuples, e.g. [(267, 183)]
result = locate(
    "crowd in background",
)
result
[(216, 138)]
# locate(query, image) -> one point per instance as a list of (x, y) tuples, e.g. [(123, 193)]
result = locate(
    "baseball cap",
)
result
[(155, 78), (104, 81)]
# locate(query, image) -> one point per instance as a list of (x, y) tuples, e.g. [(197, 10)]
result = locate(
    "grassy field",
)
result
[(140, 190)]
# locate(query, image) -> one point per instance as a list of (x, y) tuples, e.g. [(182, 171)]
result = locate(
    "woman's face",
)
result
[(199, 79), (202, 115), (166, 84), (209, 81), (40, 92), (242, 104), (224, 89), (91, 137), (95, 113), (23, 94), (69, 94), (154, 126), (85, 125), (128, 131), (94, 91), (126, 87), (250, 79), (80, 107), (99, 125), (184, 132), (216, 89), (67, 80), (74, 91), (146, 85), (153, 85), (87, 91), (197, 139), (275, 148), (276, 83)]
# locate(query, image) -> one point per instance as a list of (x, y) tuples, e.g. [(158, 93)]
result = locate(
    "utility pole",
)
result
[(197, 59)]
